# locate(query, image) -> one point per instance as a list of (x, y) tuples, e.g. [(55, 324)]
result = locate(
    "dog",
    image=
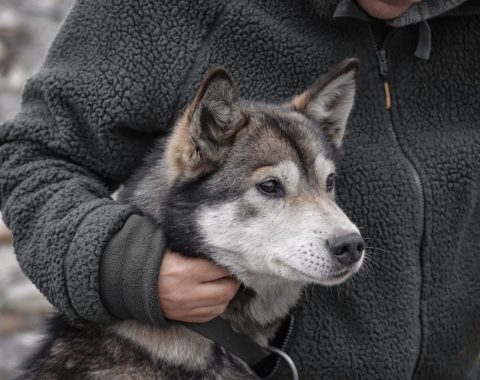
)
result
[(250, 186)]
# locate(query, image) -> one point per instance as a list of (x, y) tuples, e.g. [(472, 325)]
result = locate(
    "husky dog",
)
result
[(251, 187)]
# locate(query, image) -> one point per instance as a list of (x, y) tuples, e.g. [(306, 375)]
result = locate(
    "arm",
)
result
[(107, 89)]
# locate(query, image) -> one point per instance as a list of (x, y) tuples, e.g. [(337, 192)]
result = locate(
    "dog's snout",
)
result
[(347, 249)]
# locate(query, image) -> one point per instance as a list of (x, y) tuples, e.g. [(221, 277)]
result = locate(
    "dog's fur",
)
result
[(210, 185)]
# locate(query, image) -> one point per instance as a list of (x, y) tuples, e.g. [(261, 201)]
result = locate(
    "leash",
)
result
[(219, 331)]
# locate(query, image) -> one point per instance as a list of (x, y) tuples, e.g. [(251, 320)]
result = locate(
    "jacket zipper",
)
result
[(381, 54), (382, 65), (285, 342)]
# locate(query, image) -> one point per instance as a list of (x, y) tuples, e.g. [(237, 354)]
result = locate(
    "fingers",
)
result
[(193, 290), (200, 315), (187, 310), (201, 269), (214, 293), (199, 295), (205, 271)]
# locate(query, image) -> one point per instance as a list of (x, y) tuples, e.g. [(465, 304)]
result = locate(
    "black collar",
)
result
[(262, 360)]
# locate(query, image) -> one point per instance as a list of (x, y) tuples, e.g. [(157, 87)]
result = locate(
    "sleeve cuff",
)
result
[(129, 271)]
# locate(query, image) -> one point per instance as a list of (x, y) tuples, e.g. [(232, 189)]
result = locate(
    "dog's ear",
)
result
[(206, 131), (216, 115), (330, 100)]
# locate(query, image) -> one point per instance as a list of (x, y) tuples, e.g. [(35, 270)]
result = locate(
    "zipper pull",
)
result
[(383, 67), (382, 63)]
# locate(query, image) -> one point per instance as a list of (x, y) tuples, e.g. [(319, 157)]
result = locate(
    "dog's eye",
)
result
[(270, 187), (330, 182)]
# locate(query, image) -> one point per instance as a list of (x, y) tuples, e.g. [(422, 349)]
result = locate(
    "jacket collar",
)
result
[(417, 14), (424, 11)]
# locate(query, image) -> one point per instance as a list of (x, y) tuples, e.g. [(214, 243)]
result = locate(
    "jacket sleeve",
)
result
[(106, 91)]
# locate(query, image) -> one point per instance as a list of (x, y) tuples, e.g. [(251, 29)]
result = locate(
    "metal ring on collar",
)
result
[(287, 359)]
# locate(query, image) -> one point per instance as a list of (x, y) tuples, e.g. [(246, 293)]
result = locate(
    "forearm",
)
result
[(61, 221), (106, 92)]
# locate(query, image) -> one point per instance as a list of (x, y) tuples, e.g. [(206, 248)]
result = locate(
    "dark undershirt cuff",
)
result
[(129, 271)]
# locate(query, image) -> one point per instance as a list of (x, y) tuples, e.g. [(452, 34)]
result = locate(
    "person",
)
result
[(114, 79)]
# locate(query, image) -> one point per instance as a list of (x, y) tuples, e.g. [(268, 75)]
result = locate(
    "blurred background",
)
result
[(27, 28)]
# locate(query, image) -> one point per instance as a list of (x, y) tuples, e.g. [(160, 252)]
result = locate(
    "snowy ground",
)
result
[(26, 29)]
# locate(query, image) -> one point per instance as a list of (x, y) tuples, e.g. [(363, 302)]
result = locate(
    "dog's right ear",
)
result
[(205, 133), (330, 101)]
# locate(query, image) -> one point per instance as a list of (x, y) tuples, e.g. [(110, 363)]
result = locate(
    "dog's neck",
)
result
[(257, 314)]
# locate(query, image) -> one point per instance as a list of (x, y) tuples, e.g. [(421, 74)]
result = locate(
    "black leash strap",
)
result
[(218, 330)]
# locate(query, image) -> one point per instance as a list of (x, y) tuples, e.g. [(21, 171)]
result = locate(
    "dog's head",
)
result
[(252, 185)]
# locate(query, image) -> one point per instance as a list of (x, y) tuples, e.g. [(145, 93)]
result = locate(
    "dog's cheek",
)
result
[(236, 233), (216, 225)]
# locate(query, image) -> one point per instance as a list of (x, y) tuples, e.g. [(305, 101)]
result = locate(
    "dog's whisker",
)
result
[(369, 265), (371, 262)]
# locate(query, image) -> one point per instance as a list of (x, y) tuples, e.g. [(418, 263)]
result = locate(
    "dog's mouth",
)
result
[(341, 274), (338, 277), (331, 279)]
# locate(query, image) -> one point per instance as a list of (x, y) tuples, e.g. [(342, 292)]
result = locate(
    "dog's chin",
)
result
[(337, 278), (342, 275), (330, 279), (333, 277)]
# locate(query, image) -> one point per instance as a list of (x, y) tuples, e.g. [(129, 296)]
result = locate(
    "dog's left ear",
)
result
[(330, 101), (206, 131)]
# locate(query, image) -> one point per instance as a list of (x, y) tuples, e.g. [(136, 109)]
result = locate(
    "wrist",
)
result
[(129, 271)]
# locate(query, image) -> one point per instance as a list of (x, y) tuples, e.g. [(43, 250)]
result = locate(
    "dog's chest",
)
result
[(129, 350), (177, 352)]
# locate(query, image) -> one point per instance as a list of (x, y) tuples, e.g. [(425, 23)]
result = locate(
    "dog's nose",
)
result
[(347, 249)]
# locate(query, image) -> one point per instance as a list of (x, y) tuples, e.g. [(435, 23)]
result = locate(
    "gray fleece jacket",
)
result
[(118, 73)]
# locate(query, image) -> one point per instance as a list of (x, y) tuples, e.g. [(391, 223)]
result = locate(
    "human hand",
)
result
[(193, 289)]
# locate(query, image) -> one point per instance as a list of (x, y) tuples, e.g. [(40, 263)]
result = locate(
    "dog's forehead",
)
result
[(277, 134)]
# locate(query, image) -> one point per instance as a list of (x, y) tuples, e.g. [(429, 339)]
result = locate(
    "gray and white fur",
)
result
[(249, 186)]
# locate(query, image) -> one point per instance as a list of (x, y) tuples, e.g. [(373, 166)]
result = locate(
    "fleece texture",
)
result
[(120, 71)]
